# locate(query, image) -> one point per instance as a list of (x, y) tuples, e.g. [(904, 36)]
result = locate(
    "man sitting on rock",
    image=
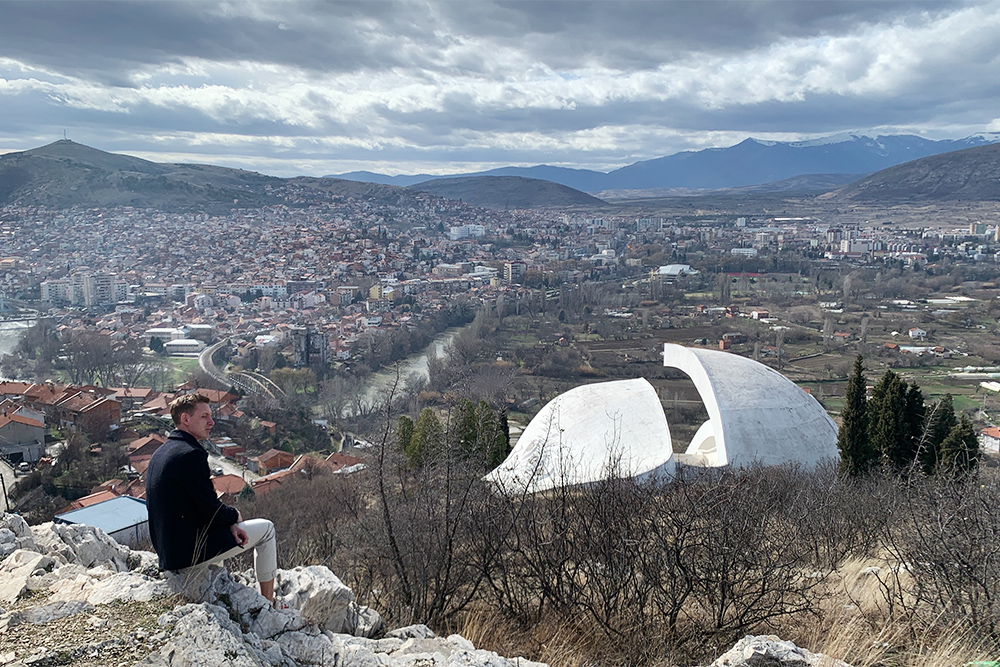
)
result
[(188, 524)]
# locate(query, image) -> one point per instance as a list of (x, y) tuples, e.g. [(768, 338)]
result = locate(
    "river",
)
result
[(10, 334), (415, 364)]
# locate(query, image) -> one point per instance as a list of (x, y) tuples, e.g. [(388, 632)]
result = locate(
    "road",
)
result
[(8, 479), (230, 468), (205, 361)]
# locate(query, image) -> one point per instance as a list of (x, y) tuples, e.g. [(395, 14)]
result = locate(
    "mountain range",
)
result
[(749, 163), (66, 174)]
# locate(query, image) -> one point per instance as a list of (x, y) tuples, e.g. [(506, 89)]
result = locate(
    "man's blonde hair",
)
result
[(185, 405)]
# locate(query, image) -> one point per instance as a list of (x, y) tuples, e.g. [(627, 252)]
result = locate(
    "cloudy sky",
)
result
[(309, 87)]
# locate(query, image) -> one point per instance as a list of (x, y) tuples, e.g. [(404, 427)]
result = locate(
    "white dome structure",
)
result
[(588, 434), (755, 414)]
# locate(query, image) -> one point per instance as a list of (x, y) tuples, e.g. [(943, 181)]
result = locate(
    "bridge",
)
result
[(248, 382)]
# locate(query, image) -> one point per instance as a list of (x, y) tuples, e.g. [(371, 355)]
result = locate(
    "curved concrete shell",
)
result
[(588, 433), (755, 414)]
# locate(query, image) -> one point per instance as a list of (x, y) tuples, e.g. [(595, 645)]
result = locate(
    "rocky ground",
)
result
[(70, 595)]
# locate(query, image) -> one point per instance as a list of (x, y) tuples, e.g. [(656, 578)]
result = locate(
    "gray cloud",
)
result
[(427, 85)]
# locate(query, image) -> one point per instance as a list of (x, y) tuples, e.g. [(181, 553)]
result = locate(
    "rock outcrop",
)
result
[(57, 573), (770, 651)]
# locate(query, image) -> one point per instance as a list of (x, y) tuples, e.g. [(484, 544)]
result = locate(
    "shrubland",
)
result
[(880, 569)]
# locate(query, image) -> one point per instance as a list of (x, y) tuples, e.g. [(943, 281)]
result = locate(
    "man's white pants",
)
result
[(260, 534)]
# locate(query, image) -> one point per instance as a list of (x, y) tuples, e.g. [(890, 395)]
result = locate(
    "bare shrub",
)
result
[(948, 542)]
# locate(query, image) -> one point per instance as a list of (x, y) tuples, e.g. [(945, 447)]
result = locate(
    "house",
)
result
[(273, 460), (21, 438), (759, 314), (89, 411), (917, 333), (989, 439), (141, 450), (130, 397), (92, 499), (228, 487), (125, 519)]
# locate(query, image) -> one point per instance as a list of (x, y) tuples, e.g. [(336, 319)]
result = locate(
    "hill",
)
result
[(750, 163), (966, 175), (65, 174), (507, 192)]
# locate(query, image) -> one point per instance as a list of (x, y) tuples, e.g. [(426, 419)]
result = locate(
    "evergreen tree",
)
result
[(938, 425), (914, 418), (857, 455), (404, 433), (959, 452), (492, 445), (887, 429), (427, 438), (501, 454), (464, 427)]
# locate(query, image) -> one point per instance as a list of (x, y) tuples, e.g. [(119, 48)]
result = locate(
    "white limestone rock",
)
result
[(127, 586), (461, 643), (143, 562), (417, 631), (357, 655), (771, 651), (198, 584), (321, 598), (85, 545), (362, 621), (47, 613), (203, 634), (104, 589), (42, 581), (311, 649), (14, 534), (271, 622), (436, 650), (384, 645), (17, 569)]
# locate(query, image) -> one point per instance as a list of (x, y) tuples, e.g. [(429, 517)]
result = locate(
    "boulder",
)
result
[(84, 545), (363, 621), (203, 634), (17, 569), (14, 534), (321, 598), (310, 648), (770, 651)]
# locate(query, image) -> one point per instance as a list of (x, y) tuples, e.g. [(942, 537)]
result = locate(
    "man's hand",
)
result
[(241, 535)]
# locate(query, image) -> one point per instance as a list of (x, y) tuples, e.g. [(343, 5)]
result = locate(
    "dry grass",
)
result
[(855, 625), (552, 640), (858, 625)]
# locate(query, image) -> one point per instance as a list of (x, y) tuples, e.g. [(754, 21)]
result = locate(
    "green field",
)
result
[(182, 367)]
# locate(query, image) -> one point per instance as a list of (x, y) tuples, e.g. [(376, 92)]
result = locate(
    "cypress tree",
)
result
[(959, 452), (404, 433), (938, 425), (887, 431), (857, 456), (914, 418), (465, 429), (427, 438)]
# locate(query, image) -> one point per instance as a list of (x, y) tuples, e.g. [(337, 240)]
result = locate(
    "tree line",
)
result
[(473, 431), (897, 430)]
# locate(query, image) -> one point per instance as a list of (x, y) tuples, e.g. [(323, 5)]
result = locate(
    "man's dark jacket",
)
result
[(187, 523)]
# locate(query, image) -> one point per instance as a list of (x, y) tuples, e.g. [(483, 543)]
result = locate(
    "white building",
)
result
[(755, 416), (584, 434)]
